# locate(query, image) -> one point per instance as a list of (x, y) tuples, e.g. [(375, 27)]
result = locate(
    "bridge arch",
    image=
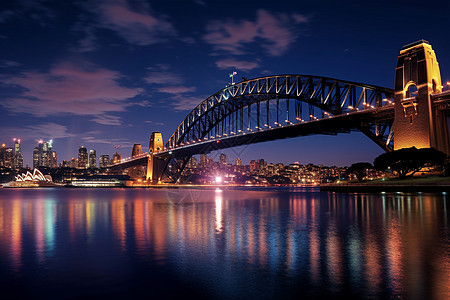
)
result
[(246, 107)]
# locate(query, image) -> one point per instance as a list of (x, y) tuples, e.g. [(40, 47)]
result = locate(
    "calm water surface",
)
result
[(230, 244)]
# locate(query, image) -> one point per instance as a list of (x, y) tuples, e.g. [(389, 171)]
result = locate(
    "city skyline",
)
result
[(109, 73)]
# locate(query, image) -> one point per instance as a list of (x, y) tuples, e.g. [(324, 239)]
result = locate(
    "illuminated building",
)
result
[(192, 163), (43, 155), (154, 165), (203, 160), (223, 159), (92, 159), (18, 159), (238, 162), (82, 158), (252, 166), (417, 77), (6, 156), (53, 159), (104, 161)]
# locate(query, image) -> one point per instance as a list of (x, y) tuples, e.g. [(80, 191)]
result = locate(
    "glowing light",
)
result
[(218, 179), (217, 142)]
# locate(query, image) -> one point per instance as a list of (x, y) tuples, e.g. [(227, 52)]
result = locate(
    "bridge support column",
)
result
[(155, 166), (416, 122)]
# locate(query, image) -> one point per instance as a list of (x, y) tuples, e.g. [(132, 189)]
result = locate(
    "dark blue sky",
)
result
[(98, 73)]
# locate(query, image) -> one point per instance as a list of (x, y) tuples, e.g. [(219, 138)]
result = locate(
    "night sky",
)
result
[(98, 73)]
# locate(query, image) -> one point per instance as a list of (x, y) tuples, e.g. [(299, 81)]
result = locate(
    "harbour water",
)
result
[(247, 243)]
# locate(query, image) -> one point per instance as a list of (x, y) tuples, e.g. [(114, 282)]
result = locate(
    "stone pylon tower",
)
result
[(154, 170), (416, 122)]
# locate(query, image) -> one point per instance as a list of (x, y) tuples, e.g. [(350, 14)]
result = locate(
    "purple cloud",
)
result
[(48, 130), (237, 64), (176, 89), (274, 32), (108, 120), (136, 24), (69, 88)]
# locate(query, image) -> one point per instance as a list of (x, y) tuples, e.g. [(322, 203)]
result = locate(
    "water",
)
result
[(230, 244)]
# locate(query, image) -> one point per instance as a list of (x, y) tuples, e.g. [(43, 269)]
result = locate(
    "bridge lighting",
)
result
[(350, 107), (217, 141)]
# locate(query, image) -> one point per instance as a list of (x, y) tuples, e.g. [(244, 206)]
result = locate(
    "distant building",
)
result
[(17, 158), (203, 160), (104, 161), (238, 162), (223, 159), (6, 156), (192, 163), (53, 160), (92, 159), (82, 158), (43, 155)]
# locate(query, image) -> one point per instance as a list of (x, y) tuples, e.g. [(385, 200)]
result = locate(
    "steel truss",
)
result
[(263, 103)]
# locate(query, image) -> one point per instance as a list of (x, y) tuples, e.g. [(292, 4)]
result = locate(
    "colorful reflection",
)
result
[(390, 245)]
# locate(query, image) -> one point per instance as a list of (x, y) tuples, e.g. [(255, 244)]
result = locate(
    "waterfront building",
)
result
[(203, 160), (104, 161), (82, 158), (92, 159), (192, 163)]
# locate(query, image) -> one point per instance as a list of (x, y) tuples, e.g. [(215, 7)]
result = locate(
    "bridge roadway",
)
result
[(344, 123)]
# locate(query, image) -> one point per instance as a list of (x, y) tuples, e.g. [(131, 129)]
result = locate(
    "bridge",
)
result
[(286, 106)]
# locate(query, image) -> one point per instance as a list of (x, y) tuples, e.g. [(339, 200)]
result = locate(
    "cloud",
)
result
[(9, 64), (183, 103), (237, 64), (176, 89), (69, 88), (274, 32), (108, 120), (135, 23), (47, 130)]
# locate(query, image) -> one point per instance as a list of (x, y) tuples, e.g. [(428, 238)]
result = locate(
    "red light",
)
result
[(217, 142)]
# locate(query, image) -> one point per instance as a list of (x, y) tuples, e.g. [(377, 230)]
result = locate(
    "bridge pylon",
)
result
[(155, 166), (416, 122)]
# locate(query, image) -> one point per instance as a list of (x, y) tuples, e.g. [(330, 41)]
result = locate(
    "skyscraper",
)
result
[(6, 156), (43, 155), (18, 159), (92, 159), (82, 158), (104, 161)]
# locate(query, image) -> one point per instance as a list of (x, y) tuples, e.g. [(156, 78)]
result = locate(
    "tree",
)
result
[(359, 169), (407, 161)]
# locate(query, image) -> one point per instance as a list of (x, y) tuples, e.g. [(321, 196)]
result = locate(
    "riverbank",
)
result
[(425, 185)]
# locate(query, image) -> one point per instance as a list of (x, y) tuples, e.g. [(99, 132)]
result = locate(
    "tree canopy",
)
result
[(359, 169), (407, 161)]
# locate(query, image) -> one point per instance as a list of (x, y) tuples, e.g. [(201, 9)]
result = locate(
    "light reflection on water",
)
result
[(223, 243)]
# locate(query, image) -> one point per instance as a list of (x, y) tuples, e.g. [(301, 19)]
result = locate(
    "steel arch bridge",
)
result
[(276, 107), (270, 108), (306, 98)]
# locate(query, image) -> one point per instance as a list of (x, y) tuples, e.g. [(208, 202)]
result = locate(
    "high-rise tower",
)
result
[(92, 159), (82, 158)]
